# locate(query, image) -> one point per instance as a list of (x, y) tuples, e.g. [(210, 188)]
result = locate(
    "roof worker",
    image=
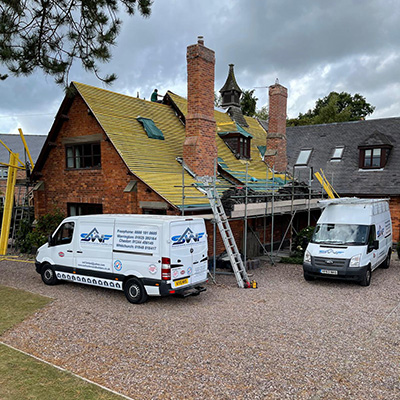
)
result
[(155, 96)]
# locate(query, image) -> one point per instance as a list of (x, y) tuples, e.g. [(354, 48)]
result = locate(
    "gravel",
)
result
[(288, 339)]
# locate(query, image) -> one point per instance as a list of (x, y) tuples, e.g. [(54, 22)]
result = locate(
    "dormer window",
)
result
[(374, 157), (337, 153), (238, 141), (238, 144)]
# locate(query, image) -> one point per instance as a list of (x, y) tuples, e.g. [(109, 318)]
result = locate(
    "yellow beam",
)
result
[(8, 165), (26, 147), (9, 203), (10, 151)]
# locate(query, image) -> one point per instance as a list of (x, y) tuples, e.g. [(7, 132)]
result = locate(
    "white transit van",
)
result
[(143, 255), (352, 238)]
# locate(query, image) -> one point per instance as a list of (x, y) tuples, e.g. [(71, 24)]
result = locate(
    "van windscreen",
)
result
[(345, 234)]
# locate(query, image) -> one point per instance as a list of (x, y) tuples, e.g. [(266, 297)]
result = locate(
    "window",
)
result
[(64, 234), (303, 157), (373, 158), (337, 153), (3, 173), (83, 155), (84, 209), (239, 145)]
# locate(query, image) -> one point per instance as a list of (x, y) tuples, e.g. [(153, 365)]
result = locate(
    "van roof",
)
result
[(350, 200), (138, 216)]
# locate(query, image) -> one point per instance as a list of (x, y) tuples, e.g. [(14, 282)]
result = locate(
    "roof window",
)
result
[(303, 157), (150, 127), (238, 141), (337, 153), (373, 157)]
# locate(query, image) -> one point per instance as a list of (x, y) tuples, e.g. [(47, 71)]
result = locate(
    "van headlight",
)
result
[(307, 257), (355, 261)]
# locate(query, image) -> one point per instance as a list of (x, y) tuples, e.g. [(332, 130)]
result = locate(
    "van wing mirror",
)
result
[(376, 244), (50, 241)]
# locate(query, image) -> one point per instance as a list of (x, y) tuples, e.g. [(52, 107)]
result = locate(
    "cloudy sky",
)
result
[(312, 46)]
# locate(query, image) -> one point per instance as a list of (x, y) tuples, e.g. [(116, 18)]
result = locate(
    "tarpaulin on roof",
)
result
[(239, 129), (262, 150), (150, 127)]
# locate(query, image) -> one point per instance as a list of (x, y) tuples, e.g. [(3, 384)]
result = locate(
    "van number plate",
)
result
[(181, 282), (329, 272)]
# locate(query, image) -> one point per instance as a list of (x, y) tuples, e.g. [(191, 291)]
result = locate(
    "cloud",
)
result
[(313, 47)]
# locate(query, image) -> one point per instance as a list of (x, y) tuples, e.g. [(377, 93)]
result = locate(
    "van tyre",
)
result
[(308, 277), (48, 275), (366, 279), (135, 291), (386, 263)]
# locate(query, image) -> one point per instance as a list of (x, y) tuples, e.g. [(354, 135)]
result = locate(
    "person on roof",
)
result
[(155, 96)]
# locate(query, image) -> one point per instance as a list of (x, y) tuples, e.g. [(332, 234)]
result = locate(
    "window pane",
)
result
[(303, 157), (70, 157), (376, 158), (338, 152)]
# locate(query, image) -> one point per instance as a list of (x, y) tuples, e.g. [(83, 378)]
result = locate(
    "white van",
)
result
[(143, 255), (352, 238)]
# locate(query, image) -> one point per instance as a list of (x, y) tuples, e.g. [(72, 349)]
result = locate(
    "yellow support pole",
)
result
[(9, 203), (26, 147), (10, 151)]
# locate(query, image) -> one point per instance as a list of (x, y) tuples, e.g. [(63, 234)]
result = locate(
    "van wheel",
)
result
[(48, 275), (135, 291), (386, 263), (308, 277), (366, 279)]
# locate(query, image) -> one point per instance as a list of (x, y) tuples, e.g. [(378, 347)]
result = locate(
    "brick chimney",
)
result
[(199, 148), (275, 155)]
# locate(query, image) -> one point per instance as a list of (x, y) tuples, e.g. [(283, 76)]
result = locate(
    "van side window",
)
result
[(372, 235), (64, 234)]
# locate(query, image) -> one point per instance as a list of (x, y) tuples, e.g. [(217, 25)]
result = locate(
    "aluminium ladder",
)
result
[(226, 233)]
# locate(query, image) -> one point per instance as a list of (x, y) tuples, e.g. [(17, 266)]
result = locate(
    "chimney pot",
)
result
[(200, 40)]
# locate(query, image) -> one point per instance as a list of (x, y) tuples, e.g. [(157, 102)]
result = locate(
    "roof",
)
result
[(14, 143), (155, 161), (230, 83), (345, 175)]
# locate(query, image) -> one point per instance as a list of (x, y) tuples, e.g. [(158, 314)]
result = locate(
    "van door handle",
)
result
[(79, 251), (69, 251)]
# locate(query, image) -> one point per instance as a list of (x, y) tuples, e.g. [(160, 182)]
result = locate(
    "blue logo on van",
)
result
[(186, 237), (380, 232), (94, 235)]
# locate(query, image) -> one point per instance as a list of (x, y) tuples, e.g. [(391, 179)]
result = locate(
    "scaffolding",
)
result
[(273, 203)]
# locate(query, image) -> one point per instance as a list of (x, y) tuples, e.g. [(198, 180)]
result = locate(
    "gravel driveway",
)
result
[(288, 339)]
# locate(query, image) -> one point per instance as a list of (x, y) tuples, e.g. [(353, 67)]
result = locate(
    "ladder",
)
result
[(226, 233)]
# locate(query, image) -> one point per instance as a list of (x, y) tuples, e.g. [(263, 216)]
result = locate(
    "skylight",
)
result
[(303, 157), (337, 153)]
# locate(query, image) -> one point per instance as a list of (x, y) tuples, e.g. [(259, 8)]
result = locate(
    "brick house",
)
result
[(111, 153), (359, 158)]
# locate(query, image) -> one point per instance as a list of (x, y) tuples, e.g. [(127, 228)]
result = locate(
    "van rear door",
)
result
[(188, 252)]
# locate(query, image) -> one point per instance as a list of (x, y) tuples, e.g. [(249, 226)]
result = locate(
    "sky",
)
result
[(312, 46)]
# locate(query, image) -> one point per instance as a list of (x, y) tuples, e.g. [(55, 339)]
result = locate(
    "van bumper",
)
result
[(191, 290), (353, 274)]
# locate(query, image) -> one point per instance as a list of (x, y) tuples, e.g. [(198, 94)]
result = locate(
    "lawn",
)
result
[(23, 377)]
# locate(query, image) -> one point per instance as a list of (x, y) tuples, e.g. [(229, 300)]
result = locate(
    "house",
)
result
[(15, 144), (360, 158), (111, 153)]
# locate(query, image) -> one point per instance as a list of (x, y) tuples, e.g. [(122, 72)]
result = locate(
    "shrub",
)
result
[(301, 241), (31, 236)]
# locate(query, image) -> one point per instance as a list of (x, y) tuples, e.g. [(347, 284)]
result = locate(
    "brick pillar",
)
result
[(275, 155), (199, 148)]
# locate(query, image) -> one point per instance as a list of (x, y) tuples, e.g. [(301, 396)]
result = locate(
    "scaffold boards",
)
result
[(226, 233)]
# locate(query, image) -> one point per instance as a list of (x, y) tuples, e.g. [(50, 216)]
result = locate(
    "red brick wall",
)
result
[(394, 206), (276, 138), (102, 186), (199, 148)]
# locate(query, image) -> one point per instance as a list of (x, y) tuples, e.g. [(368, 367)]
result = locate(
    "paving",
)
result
[(288, 339)]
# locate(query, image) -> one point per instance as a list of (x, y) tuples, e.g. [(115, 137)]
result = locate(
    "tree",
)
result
[(52, 34), (262, 113), (336, 107), (248, 103)]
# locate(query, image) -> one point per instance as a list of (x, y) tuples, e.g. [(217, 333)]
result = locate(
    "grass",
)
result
[(23, 377)]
